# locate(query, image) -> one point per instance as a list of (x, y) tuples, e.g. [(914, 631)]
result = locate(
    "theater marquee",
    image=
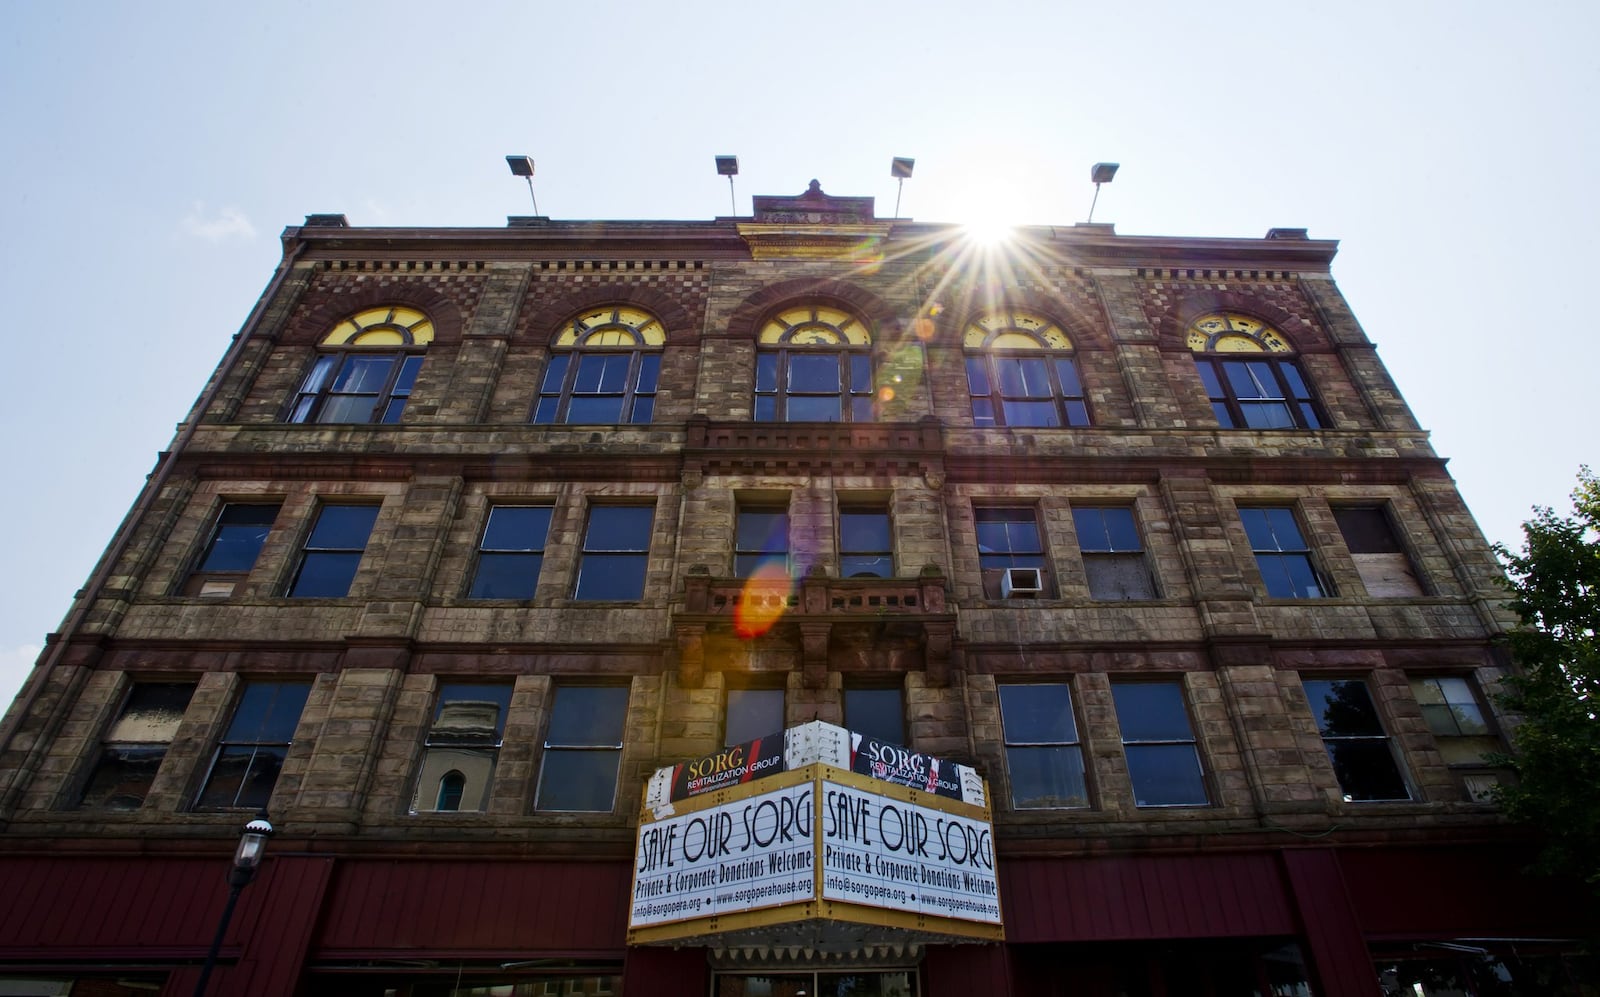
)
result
[(813, 846)]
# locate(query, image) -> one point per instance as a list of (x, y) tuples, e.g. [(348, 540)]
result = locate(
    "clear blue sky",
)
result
[(153, 152)]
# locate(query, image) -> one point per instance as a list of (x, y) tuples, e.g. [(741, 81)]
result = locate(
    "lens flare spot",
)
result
[(885, 394), (922, 328), (763, 601)]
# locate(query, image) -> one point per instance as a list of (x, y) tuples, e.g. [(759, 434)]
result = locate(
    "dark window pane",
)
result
[(343, 527), (1343, 708), (611, 577), (1047, 777), (619, 528), (982, 412), (649, 373), (1366, 530), (1034, 414), (588, 716), (818, 374), (363, 375), (878, 713), (977, 376), (318, 378), (752, 713), (1297, 384), (1077, 413), (393, 411), (122, 777), (1224, 417), (1151, 711), (1037, 714), (241, 530), (860, 373), (592, 374), (555, 373), (861, 409), (1258, 528), (644, 407), (1366, 769), (1208, 377), (1303, 580), (1166, 775), (863, 530), (517, 527), (766, 372), (243, 777), (408, 375), (1067, 371), (578, 780), (1267, 415), (813, 408), (584, 410), (766, 409), (506, 576), (1308, 415), (348, 408), (325, 575), (269, 711), (545, 412)]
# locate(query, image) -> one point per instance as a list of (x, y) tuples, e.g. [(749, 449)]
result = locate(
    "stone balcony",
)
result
[(817, 612)]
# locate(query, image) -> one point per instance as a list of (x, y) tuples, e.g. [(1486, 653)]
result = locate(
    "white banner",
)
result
[(753, 853), (883, 852)]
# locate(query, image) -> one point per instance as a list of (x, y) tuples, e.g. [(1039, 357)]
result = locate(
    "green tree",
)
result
[(1555, 581)]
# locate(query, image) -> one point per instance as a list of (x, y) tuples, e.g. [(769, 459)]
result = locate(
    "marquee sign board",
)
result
[(814, 844)]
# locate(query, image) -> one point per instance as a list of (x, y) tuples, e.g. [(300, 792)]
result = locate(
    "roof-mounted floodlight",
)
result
[(522, 166), (728, 166), (900, 168), (1100, 173)]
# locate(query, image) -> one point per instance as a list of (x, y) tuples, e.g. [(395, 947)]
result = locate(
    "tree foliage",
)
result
[(1555, 581)]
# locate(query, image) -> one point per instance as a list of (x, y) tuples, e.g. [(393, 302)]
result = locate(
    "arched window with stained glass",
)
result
[(814, 365), (604, 367), (1021, 372), (366, 368), (1251, 374)]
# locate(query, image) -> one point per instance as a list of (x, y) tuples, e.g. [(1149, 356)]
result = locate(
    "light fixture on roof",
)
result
[(728, 166), (1100, 173), (900, 168), (522, 166)]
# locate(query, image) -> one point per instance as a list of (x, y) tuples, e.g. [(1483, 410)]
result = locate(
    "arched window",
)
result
[(1251, 377), (368, 365), (1020, 372), (451, 786), (814, 365), (603, 369)]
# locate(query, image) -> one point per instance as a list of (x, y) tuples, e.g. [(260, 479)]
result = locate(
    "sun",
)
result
[(989, 232)]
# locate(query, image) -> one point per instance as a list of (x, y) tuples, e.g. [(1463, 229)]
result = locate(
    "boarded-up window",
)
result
[(1381, 561)]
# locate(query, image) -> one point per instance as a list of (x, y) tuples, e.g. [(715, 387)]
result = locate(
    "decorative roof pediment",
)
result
[(813, 225)]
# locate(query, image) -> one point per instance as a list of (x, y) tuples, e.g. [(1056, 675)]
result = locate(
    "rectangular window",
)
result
[(761, 539), (600, 388), (583, 749), (1113, 558), (511, 552), (1282, 554), (1007, 538), (866, 549), (236, 540), (133, 747), (1459, 722), (251, 753), (752, 713), (1381, 561), (1025, 391), (462, 746), (878, 713), (1265, 393), (616, 553), (1355, 739), (333, 551), (357, 387), (1158, 741), (1043, 755)]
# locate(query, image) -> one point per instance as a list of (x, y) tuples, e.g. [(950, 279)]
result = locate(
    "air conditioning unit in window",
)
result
[(1021, 583)]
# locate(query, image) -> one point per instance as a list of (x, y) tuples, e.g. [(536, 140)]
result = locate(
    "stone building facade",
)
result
[(474, 529)]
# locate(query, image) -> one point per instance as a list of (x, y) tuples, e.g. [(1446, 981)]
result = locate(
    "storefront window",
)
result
[(895, 983)]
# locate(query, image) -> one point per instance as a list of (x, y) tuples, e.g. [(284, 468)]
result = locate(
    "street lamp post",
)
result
[(246, 859)]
